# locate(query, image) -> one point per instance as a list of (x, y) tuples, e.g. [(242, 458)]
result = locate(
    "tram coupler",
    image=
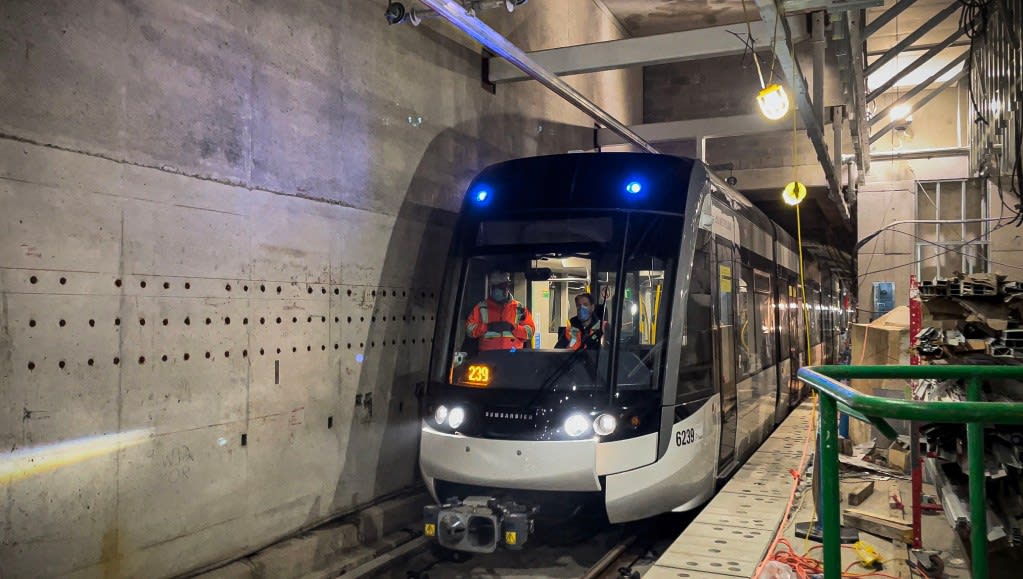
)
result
[(478, 524)]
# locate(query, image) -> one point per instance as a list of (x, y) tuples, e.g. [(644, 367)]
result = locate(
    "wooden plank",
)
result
[(860, 492), (879, 525)]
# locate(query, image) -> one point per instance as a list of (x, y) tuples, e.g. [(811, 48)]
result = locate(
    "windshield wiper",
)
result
[(557, 373)]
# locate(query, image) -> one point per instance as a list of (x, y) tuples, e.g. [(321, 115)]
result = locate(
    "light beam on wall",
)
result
[(36, 460)]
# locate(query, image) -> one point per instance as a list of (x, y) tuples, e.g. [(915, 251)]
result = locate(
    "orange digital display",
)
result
[(477, 375)]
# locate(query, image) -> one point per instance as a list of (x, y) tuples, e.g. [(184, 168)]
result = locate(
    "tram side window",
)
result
[(765, 318), (748, 335), (697, 354)]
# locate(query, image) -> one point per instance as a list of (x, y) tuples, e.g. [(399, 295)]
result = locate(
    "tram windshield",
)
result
[(544, 304)]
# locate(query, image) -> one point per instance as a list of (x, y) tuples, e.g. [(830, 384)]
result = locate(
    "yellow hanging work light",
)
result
[(773, 101), (794, 193)]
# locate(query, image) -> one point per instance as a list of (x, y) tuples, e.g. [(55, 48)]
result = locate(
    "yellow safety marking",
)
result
[(510, 537)]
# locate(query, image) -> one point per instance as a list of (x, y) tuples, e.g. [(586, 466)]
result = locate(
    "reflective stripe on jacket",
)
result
[(512, 312)]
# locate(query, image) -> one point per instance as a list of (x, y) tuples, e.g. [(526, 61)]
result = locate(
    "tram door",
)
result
[(724, 347)]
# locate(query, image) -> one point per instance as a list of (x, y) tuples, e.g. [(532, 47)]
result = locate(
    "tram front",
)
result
[(548, 362)]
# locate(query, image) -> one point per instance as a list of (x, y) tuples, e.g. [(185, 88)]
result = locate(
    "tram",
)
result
[(692, 364)]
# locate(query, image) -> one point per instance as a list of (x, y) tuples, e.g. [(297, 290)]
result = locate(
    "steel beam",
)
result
[(919, 47), (858, 125), (797, 83), (641, 51), (919, 105), (918, 89), (710, 128), (913, 37), (454, 13), (886, 17), (914, 65)]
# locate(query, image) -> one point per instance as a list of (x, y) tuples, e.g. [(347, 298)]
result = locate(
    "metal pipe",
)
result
[(828, 473), (913, 37), (914, 65), (978, 502), (886, 17), (858, 128), (415, 16), (819, 46), (919, 105), (922, 153), (454, 13), (918, 88)]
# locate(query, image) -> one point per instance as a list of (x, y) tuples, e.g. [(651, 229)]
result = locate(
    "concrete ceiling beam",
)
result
[(804, 6), (695, 129), (641, 51)]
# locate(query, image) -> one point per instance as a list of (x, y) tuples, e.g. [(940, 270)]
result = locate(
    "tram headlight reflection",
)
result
[(605, 424), (576, 424), (456, 417), (440, 415)]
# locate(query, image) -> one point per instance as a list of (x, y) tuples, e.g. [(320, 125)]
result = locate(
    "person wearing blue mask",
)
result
[(500, 322), (584, 329)]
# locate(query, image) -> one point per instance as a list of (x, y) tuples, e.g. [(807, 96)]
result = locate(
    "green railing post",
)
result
[(974, 413), (830, 493), (978, 503)]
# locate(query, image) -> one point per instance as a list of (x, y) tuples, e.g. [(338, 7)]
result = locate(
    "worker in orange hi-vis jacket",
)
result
[(500, 322)]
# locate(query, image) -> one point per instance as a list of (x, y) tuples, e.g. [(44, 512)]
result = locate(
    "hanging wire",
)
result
[(749, 31)]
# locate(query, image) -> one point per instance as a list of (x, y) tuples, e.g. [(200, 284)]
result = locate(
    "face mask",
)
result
[(584, 313), (499, 295)]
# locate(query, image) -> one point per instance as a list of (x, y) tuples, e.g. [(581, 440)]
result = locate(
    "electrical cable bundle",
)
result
[(975, 21)]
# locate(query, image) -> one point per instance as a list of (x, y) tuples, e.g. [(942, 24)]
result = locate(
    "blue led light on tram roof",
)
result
[(482, 195), (634, 187)]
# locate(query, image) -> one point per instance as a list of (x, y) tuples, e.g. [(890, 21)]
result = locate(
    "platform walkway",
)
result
[(732, 533)]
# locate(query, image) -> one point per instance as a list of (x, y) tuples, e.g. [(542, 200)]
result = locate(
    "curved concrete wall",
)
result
[(221, 236)]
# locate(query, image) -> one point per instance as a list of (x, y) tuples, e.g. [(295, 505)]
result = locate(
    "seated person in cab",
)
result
[(500, 322), (584, 329)]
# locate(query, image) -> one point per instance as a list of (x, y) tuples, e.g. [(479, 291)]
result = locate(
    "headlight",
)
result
[(605, 424), (440, 415), (456, 417), (576, 424)]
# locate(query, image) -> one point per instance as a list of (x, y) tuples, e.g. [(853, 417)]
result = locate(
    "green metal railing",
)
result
[(836, 397)]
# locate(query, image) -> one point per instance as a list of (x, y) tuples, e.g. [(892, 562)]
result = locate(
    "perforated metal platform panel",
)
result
[(732, 533)]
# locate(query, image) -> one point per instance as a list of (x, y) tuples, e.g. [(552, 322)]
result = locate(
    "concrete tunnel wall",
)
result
[(223, 226)]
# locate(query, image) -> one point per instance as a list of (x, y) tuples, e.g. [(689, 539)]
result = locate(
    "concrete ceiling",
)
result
[(647, 17)]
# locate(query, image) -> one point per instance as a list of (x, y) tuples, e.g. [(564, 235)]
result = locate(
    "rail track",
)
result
[(608, 552)]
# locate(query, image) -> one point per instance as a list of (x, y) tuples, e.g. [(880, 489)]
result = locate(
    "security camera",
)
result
[(731, 180), (395, 12)]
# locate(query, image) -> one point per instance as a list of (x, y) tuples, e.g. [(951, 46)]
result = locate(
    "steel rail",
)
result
[(455, 13)]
